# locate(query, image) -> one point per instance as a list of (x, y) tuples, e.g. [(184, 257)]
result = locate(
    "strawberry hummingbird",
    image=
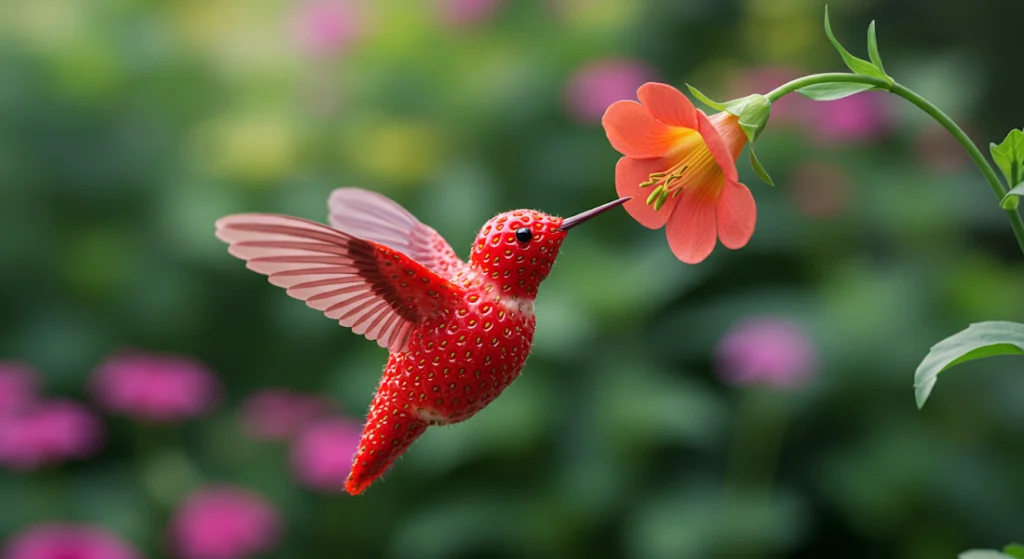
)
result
[(457, 333)]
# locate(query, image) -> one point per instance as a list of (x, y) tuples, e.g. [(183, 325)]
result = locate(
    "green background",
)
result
[(128, 126)]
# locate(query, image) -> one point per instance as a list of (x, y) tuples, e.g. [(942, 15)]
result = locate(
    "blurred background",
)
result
[(159, 400)]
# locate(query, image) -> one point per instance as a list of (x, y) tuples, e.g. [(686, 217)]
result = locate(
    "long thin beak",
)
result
[(570, 222)]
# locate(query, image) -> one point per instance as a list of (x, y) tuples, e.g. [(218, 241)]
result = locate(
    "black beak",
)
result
[(570, 222)]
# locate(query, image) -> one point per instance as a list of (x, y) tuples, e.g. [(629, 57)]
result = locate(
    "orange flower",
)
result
[(680, 169)]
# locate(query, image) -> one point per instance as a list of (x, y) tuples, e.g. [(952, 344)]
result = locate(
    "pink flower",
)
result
[(767, 351), (861, 117), (17, 387), (154, 387), (280, 413), (222, 522), (326, 27), (322, 456), (595, 86), (468, 12), (679, 170), (67, 541), (48, 433), (819, 190)]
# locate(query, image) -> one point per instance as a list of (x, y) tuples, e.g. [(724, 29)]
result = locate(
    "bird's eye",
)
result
[(524, 234)]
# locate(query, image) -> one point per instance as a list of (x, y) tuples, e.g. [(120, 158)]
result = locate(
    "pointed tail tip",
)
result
[(353, 488), (388, 433)]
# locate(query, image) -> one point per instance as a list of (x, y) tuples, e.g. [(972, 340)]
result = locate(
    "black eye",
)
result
[(524, 234)]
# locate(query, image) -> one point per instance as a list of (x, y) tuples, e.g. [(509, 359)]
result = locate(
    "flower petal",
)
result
[(668, 104), (732, 134), (737, 215), (634, 132), (717, 146), (629, 173), (691, 228)]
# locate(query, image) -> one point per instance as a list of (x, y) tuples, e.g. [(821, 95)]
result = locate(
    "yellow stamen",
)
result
[(695, 165), (655, 195), (654, 178), (662, 198)]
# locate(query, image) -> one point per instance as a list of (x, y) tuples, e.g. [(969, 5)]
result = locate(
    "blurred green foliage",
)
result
[(128, 126)]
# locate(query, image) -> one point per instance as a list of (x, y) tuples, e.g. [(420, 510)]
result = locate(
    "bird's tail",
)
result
[(390, 429)]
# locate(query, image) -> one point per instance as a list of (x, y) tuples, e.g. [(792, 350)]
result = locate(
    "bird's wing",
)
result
[(373, 289), (376, 217)]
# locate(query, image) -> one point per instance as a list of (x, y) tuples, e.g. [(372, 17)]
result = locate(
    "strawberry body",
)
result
[(453, 369), (459, 362), (456, 366)]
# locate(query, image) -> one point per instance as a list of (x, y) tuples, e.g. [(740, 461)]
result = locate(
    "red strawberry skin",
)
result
[(458, 363)]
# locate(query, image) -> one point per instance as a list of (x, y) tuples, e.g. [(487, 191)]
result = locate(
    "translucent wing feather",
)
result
[(371, 288), (376, 217)]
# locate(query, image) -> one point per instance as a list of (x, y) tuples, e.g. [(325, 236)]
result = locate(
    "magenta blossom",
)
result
[(595, 86), (468, 12), (155, 387), (322, 455), (280, 413), (222, 522), (67, 541), (17, 387), (48, 433), (326, 27), (766, 351)]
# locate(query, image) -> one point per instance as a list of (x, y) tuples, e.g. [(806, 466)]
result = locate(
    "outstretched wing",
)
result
[(375, 290), (369, 215)]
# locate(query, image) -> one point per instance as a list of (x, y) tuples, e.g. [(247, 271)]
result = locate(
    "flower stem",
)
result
[(986, 169), (942, 118), (816, 79)]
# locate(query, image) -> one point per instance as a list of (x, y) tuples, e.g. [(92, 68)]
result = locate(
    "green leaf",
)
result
[(979, 340), (856, 65), (705, 99), (738, 106), (983, 554), (753, 111), (1009, 156), (832, 91), (876, 58), (1014, 550), (1012, 198), (758, 168)]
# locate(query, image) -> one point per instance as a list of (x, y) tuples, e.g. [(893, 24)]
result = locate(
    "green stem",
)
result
[(815, 79), (942, 118), (986, 169)]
